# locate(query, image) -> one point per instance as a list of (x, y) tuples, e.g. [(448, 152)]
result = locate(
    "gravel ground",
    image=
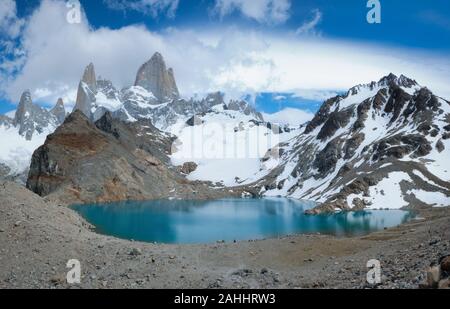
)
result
[(37, 238)]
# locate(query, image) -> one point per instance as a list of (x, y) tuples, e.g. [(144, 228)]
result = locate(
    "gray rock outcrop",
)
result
[(157, 79), (59, 111), (87, 90)]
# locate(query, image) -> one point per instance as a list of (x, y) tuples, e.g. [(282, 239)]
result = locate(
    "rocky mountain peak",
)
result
[(89, 77), (23, 110), (59, 111), (156, 78), (401, 81), (87, 90)]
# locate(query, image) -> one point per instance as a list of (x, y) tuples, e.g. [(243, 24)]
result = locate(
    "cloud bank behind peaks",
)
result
[(234, 60)]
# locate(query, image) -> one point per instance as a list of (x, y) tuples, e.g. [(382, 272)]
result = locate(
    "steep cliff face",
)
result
[(87, 90), (157, 79), (110, 161), (382, 145)]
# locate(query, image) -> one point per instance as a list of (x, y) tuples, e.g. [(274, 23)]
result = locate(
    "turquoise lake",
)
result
[(189, 222)]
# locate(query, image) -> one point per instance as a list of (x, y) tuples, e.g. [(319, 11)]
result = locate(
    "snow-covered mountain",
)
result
[(155, 96), (25, 132), (382, 145), (226, 145)]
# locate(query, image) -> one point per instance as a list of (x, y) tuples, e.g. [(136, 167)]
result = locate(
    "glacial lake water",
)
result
[(189, 222)]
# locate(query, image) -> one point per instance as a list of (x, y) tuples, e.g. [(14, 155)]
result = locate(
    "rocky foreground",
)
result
[(37, 238)]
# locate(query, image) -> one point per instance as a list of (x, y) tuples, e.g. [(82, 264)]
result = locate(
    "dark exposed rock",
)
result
[(399, 146), (194, 121), (335, 121), (434, 133), (106, 125), (322, 115), (424, 128), (380, 99), (188, 167), (326, 160), (352, 145), (362, 111), (396, 102), (445, 263), (344, 170), (440, 146), (359, 204)]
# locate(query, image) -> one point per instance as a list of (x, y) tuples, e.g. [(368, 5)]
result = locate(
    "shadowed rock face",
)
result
[(156, 78), (110, 161)]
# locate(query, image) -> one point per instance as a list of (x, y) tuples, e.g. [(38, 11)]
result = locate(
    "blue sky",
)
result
[(251, 42)]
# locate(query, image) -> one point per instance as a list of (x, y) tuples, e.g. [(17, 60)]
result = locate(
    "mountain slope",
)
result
[(227, 145), (382, 145)]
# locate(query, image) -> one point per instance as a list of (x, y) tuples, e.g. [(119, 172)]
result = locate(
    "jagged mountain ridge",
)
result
[(23, 133), (382, 145), (154, 96)]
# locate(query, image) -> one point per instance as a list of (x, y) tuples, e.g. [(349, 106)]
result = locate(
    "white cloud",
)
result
[(148, 7), (10, 24), (233, 60), (309, 27), (290, 116), (263, 11), (315, 94)]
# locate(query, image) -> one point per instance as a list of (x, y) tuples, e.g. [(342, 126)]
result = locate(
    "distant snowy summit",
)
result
[(385, 144)]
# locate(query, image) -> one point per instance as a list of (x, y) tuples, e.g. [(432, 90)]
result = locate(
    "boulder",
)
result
[(188, 168)]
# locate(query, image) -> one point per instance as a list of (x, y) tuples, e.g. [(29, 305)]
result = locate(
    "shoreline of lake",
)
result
[(229, 220), (38, 237)]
